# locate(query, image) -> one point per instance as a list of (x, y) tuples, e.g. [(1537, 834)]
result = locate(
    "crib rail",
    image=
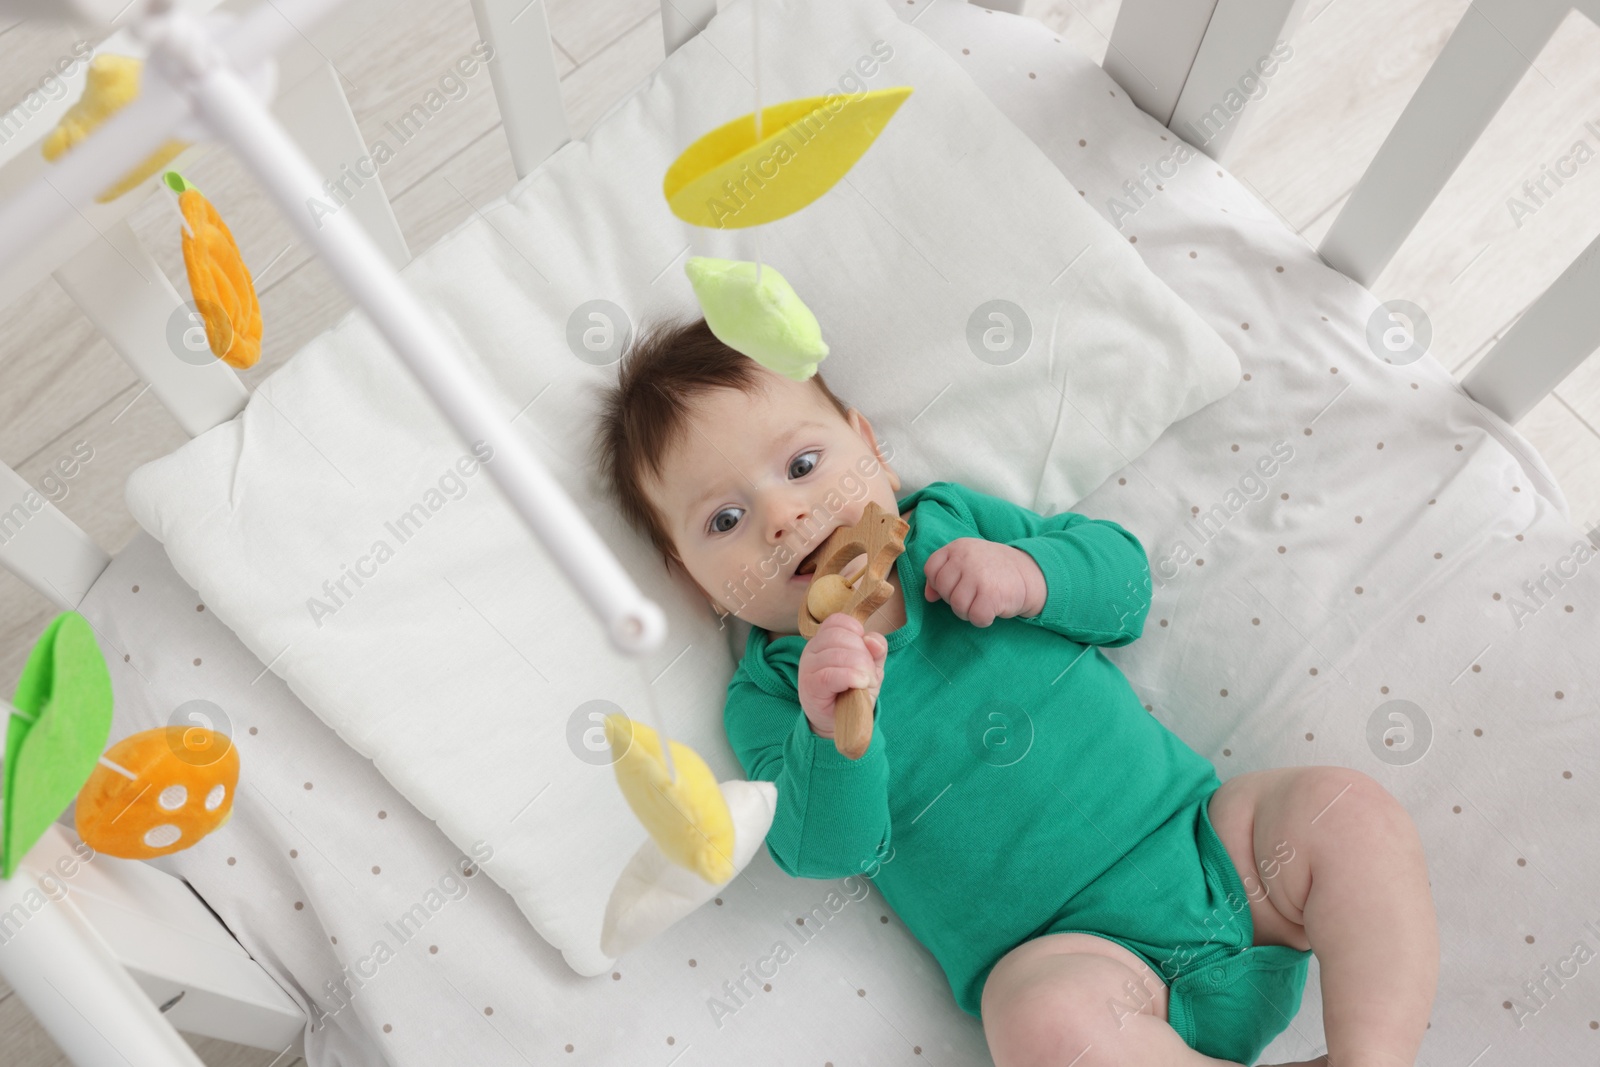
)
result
[(523, 71), (1490, 51), (1180, 61), (43, 547), (682, 19), (93, 944), (1487, 54), (1177, 59)]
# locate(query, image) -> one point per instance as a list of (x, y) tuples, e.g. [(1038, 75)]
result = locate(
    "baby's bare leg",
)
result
[(1354, 888), (1075, 1000)]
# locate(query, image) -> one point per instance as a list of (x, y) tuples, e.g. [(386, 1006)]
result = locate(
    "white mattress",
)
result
[(1263, 654)]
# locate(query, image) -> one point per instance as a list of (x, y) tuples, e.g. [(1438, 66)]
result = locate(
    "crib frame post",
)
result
[(58, 963), (1183, 62), (526, 84), (683, 19), (1485, 57), (1239, 43), (43, 547), (128, 298), (113, 957), (1546, 344), (318, 114), (1153, 46)]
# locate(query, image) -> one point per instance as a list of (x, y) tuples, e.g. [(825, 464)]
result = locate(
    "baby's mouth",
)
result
[(809, 564)]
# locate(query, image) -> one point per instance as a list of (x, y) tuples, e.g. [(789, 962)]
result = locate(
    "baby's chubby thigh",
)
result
[(1051, 999)]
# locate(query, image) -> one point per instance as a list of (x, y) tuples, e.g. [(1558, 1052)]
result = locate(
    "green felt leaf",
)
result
[(177, 182), (767, 321), (54, 738)]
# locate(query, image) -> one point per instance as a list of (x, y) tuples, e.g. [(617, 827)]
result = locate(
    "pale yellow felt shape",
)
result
[(112, 81), (688, 819), (652, 892), (728, 180), (767, 321)]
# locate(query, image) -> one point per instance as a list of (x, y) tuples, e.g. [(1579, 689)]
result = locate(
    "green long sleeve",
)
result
[(833, 813), (1097, 573)]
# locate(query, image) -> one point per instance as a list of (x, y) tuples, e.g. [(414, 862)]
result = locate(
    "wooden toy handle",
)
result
[(852, 723), (879, 536)]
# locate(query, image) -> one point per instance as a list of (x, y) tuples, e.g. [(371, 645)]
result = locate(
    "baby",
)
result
[(1091, 890)]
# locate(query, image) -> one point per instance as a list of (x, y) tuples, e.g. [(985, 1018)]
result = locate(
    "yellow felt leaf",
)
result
[(729, 180), (688, 819), (112, 81)]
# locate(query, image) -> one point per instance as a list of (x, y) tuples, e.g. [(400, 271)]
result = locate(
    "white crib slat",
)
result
[(128, 298), (1552, 337), (64, 972), (26, 263), (526, 84), (43, 547), (317, 114), (1487, 54), (1239, 44), (1153, 46), (682, 19), (176, 950)]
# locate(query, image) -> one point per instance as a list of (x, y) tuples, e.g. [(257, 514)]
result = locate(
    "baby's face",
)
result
[(759, 481)]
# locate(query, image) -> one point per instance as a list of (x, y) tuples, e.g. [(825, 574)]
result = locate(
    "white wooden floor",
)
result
[(1469, 265)]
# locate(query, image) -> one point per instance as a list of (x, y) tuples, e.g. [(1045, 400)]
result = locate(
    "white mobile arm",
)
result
[(190, 76), (58, 953)]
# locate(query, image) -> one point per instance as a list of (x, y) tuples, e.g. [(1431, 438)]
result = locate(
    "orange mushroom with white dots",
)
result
[(158, 792)]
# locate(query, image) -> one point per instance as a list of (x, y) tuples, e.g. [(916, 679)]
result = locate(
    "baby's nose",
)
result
[(785, 520)]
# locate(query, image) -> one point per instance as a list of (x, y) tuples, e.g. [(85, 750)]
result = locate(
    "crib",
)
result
[(138, 952)]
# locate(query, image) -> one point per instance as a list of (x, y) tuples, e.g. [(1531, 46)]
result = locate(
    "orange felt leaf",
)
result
[(220, 282)]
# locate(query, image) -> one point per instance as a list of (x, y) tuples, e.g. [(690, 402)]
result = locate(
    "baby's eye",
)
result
[(717, 528), (801, 459)]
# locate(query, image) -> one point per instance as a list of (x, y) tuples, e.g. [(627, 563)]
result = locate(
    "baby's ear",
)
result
[(859, 423)]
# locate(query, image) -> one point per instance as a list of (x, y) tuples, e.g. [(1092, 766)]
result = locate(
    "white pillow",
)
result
[(459, 661)]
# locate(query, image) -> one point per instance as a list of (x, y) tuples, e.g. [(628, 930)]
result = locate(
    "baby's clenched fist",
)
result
[(984, 580), (842, 656)]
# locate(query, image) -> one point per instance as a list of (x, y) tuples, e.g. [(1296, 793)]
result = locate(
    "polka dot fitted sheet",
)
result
[(1353, 564)]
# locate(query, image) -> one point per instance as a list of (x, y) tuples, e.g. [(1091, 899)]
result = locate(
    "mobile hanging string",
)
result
[(755, 66)]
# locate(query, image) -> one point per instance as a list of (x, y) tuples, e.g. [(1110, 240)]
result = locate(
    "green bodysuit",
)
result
[(1011, 767)]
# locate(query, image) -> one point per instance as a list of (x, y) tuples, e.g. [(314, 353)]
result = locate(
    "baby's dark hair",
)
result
[(670, 363)]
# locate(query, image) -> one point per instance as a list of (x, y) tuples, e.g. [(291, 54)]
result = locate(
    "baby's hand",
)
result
[(842, 656), (983, 581)]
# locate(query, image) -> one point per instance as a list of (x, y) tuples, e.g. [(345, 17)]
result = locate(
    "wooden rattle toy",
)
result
[(880, 537)]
